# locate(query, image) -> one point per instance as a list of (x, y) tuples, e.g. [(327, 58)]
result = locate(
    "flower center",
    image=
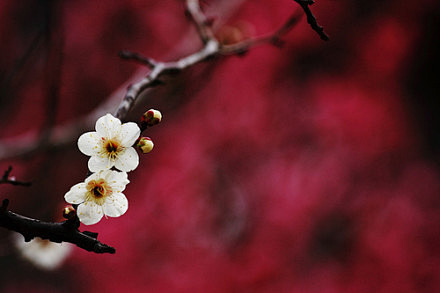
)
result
[(98, 190), (112, 148)]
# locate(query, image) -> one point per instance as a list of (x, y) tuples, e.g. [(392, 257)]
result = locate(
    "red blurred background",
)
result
[(310, 168)]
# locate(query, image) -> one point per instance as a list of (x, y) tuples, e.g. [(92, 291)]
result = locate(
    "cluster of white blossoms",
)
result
[(109, 147)]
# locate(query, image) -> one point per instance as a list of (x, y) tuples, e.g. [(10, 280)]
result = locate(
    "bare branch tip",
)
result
[(4, 206), (11, 180), (311, 19)]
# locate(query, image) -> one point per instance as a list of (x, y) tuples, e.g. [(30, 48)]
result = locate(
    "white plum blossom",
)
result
[(100, 194), (111, 145), (44, 254)]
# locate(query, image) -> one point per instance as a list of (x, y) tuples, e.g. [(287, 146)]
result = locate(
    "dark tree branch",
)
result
[(11, 180), (212, 48), (63, 135), (66, 231), (311, 19)]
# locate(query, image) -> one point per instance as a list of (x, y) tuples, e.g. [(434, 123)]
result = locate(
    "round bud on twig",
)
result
[(145, 144), (230, 35), (69, 212), (151, 117)]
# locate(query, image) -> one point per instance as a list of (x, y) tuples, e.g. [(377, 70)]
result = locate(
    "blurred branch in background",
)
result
[(212, 48), (63, 135)]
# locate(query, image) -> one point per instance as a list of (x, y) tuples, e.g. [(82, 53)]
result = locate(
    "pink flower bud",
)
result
[(152, 117), (145, 145)]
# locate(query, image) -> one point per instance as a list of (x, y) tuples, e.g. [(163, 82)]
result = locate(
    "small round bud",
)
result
[(229, 35), (152, 117), (69, 212), (145, 145)]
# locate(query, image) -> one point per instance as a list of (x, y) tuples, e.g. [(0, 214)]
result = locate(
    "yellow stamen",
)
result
[(98, 190), (112, 147)]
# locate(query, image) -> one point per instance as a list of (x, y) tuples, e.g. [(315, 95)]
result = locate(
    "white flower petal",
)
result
[(90, 143), (89, 213), (108, 126), (76, 194), (117, 180), (115, 205), (98, 163), (129, 133), (127, 160)]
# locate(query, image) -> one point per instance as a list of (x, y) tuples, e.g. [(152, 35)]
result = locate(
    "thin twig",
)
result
[(202, 23), (311, 19), (127, 55), (274, 38), (11, 179)]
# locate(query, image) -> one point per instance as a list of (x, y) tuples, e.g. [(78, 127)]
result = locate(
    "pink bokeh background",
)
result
[(308, 168)]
